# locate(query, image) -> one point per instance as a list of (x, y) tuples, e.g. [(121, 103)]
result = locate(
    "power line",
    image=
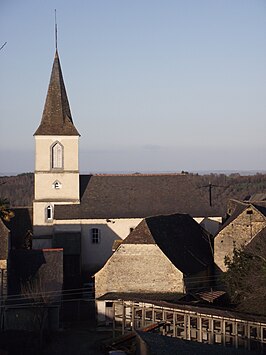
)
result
[(48, 293), (3, 46)]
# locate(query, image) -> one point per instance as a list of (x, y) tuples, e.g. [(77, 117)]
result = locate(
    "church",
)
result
[(88, 214)]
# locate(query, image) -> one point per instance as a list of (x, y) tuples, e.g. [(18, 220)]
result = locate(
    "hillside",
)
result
[(19, 189)]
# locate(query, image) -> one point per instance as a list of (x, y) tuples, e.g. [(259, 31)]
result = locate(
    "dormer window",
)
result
[(57, 156), (49, 213)]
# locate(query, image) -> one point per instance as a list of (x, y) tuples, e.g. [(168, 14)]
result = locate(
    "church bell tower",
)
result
[(56, 157)]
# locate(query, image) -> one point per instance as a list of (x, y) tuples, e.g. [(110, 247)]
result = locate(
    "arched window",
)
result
[(57, 156), (49, 213), (95, 236)]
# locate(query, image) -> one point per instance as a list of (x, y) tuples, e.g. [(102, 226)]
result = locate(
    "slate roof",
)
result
[(258, 197), (257, 246), (45, 265), (158, 344), (186, 244), (137, 196), (261, 209), (56, 118)]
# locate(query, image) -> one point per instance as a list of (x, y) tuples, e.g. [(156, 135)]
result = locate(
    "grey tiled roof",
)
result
[(137, 196), (45, 265), (257, 245), (56, 118), (158, 344), (186, 244), (261, 209), (258, 197)]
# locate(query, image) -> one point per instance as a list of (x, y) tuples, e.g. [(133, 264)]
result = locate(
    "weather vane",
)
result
[(55, 22)]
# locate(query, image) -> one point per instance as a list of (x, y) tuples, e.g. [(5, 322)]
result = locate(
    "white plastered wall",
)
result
[(43, 152), (211, 224), (95, 255), (44, 189), (45, 176), (45, 193)]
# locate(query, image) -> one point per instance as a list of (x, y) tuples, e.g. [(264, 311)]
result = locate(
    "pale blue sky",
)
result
[(153, 85)]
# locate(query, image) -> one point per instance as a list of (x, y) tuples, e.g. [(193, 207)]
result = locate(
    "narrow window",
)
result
[(57, 185), (57, 156), (95, 236), (49, 213)]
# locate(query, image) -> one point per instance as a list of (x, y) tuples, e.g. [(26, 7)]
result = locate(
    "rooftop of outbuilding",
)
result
[(185, 243)]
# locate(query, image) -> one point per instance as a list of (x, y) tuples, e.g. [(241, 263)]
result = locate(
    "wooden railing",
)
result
[(191, 323)]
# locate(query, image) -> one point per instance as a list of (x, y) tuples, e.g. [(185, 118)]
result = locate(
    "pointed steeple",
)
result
[(56, 118)]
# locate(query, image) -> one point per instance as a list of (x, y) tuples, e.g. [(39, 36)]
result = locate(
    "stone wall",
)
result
[(237, 234), (140, 268)]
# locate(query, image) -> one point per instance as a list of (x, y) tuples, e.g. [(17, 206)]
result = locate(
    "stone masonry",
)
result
[(140, 268), (238, 233)]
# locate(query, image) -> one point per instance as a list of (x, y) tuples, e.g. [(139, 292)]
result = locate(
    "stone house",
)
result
[(4, 245), (4, 248), (245, 222), (168, 254), (13, 234), (87, 213)]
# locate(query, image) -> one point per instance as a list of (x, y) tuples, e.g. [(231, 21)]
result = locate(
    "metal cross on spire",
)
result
[(55, 22)]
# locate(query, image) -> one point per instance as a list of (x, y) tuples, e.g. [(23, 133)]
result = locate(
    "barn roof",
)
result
[(137, 196), (186, 244), (158, 344), (45, 266), (257, 245)]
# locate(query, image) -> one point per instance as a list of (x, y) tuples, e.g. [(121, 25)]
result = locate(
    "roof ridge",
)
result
[(141, 174)]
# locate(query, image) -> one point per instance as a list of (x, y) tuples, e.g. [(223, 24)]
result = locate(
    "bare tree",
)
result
[(39, 301)]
